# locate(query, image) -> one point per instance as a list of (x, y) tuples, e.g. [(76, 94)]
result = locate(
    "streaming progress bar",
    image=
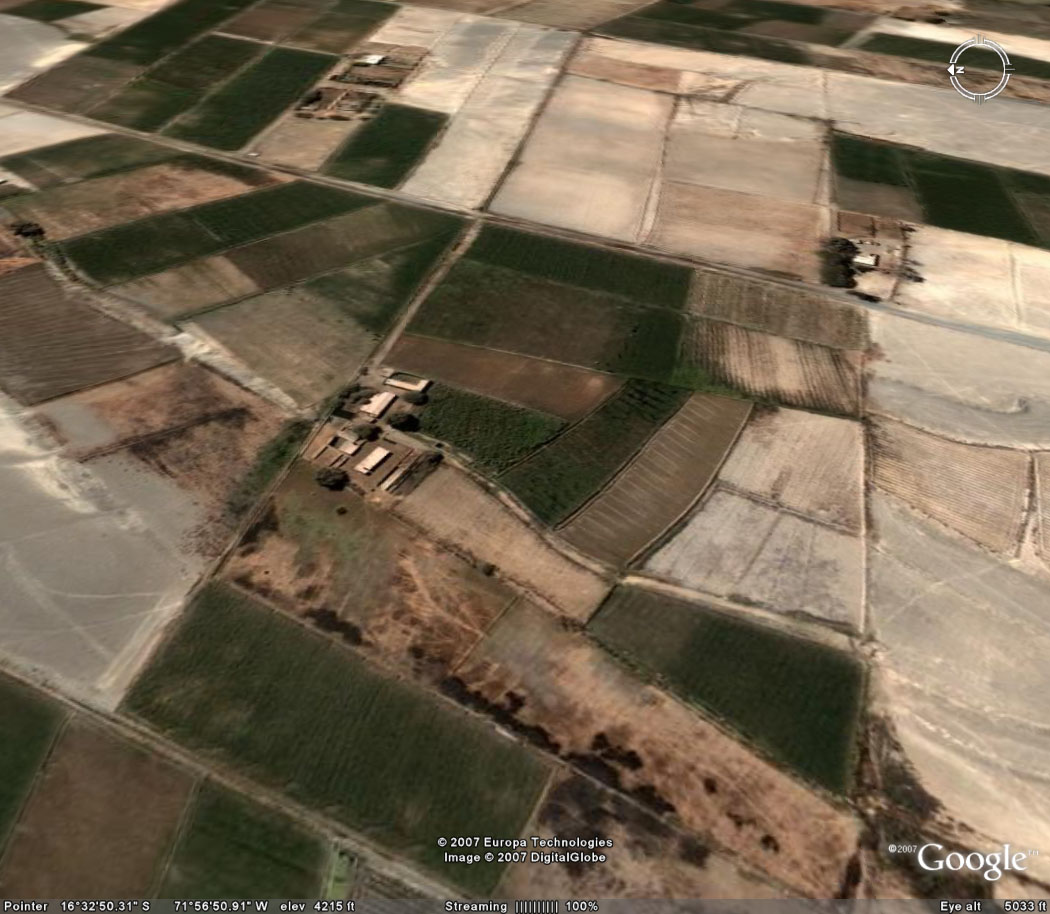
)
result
[(536, 907)]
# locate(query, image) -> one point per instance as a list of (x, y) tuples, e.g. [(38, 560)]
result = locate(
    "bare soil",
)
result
[(97, 823), (77, 84), (194, 285), (550, 387)]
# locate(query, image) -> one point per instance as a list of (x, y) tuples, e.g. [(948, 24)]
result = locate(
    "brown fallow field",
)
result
[(98, 822), (55, 342), (978, 491), (661, 482), (602, 718), (550, 387), (458, 512)]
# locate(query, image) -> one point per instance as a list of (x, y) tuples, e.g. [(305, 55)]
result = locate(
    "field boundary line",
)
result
[(166, 859), (640, 555), (781, 508)]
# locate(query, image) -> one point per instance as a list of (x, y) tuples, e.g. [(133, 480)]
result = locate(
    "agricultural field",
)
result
[(742, 549), (805, 462), (104, 808), (254, 690), (455, 510), (48, 162), (640, 741), (29, 725), (660, 484), (494, 434), (561, 477), (355, 571), (55, 342), (796, 699), (232, 848), (341, 26), (100, 203), (535, 384), (946, 193), (384, 150), (981, 492), (150, 245)]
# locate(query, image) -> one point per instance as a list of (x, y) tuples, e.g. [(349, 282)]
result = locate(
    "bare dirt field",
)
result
[(550, 387), (603, 717), (194, 285), (183, 423), (936, 378), (746, 551), (56, 343), (649, 859), (806, 462), (591, 159), (365, 575), (302, 143), (979, 491), (797, 373), (973, 723), (101, 202), (578, 15), (746, 150), (77, 84), (479, 7), (27, 46), (97, 823), (640, 75), (727, 226), (21, 131), (456, 510), (778, 309), (1042, 485), (477, 145), (661, 482)]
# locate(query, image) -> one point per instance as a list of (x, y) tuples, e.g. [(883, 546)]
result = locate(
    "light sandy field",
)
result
[(964, 639), (590, 63), (1042, 489), (981, 492), (197, 284), (591, 160), (730, 227), (456, 64), (302, 142), (742, 149), (86, 584), (1014, 134), (806, 462), (481, 138), (21, 130), (746, 551), (417, 26), (980, 280), (580, 14), (455, 510), (27, 47), (575, 690), (1016, 43), (942, 380)]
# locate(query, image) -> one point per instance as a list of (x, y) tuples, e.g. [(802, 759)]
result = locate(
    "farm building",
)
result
[(378, 404)]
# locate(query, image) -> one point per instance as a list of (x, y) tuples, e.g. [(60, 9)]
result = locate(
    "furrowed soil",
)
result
[(550, 387), (455, 510), (640, 741), (56, 343), (98, 822), (658, 486), (978, 491), (363, 575), (256, 691)]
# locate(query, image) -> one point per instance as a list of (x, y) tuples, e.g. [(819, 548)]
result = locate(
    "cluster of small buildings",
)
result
[(880, 251)]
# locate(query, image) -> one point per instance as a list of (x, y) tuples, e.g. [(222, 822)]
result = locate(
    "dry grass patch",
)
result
[(978, 491), (190, 287)]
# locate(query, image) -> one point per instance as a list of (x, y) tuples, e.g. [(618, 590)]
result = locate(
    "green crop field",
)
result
[(384, 150), (495, 434), (797, 699), (29, 724), (233, 848), (158, 242), (556, 480), (178, 83), (162, 33), (87, 157), (248, 102), (640, 279), (953, 193), (298, 712), (51, 10)]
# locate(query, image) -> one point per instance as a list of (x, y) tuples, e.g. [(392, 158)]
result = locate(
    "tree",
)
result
[(415, 397), (404, 422), (332, 478), (365, 430)]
